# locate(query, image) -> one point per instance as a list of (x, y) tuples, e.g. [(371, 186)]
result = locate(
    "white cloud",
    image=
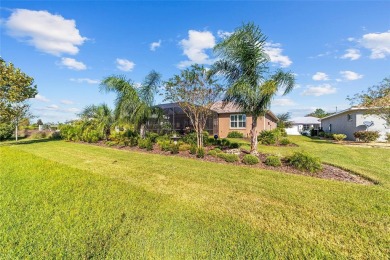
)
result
[(283, 102), (274, 52), (72, 110), (223, 34), (66, 102), (352, 54), (52, 107), (41, 98), (195, 48), (350, 75), (124, 65), (324, 89), (73, 64), (155, 45), (319, 76), (377, 43), (48, 33), (85, 80)]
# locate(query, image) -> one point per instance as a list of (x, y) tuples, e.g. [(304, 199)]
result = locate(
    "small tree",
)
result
[(284, 120), (376, 99), (195, 91), (320, 113)]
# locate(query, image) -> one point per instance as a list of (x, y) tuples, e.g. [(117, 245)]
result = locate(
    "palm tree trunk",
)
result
[(253, 135)]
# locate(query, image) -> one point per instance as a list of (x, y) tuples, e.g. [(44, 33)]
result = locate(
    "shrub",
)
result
[(212, 153), (200, 152), (38, 135), (366, 136), (250, 159), (235, 134), (218, 150), (174, 148), (234, 145), (225, 142), (267, 137), (193, 149), (55, 135), (184, 147), (5, 131), (339, 137), (164, 145), (229, 157), (152, 137), (273, 160), (145, 144), (388, 137), (304, 161), (284, 141)]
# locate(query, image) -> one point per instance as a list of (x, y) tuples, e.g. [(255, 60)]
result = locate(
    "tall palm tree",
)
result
[(100, 116), (133, 104), (244, 64)]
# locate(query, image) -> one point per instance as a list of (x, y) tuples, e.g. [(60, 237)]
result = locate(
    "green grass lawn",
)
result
[(60, 199)]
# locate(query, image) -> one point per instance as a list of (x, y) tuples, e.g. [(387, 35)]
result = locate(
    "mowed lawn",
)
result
[(69, 200)]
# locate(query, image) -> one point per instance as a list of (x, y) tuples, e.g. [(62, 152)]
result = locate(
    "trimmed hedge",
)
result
[(235, 134), (229, 157), (250, 159), (366, 136)]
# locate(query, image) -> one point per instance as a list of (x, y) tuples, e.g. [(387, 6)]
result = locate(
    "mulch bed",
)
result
[(327, 172)]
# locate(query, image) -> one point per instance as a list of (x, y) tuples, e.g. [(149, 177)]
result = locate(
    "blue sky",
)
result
[(335, 49)]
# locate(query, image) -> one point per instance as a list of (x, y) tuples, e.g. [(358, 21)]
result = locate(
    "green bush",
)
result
[(267, 137), (229, 157), (328, 135), (250, 159), (304, 161), (90, 136), (193, 149), (234, 145), (235, 134), (388, 137), (153, 137), (6, 131), (174, 148), (38, 135), (366, 136), (339, 137), (225, 142), (184, 147), (164, 145), (200, 152), (145, 144), (55, 135), (212, 153), (284, 141), (218, 150), (273, 160)]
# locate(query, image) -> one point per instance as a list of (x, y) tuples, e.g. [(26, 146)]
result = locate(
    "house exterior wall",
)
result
[(342, 124), (263, 123)]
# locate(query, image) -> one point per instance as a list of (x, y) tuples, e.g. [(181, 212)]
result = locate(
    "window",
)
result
[(238, 121), (349, 117)]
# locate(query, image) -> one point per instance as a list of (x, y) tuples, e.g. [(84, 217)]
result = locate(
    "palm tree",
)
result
[(100, 116), (134, 105), (244, 64)]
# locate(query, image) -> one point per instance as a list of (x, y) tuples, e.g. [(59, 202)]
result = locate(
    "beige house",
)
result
[(230, 118)]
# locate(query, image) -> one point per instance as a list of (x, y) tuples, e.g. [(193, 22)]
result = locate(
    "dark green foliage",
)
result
[(153, 137), (305, 162), (229, 157), (284, 141), (267, 137), (235, 134), (225, 142), (91, 136), (71, 132), (210, 141), (6, 131), (234, 145), (273, 160), (250, 159), (193, 149), (200, 152), (55, 135), (366, 136), (189, 138)]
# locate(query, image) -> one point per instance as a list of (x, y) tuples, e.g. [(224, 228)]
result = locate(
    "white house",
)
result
[(352, 120), (300, 124)]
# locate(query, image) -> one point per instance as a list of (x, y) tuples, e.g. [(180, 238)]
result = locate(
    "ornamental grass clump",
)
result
[(339, 137), (305, 162), (250, 159), (200, 152), (273, 160), (229, 157)]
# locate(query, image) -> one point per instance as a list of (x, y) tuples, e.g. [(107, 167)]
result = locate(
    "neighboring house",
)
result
[(301, 124), (352, 120), (224, 119), (230, 118)]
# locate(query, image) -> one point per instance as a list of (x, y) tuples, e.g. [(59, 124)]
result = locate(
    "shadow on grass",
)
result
[(29, 141)]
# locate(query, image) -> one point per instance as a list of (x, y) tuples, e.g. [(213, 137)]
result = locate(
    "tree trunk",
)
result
[(253, 135), (16, 131), (142, 131)]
